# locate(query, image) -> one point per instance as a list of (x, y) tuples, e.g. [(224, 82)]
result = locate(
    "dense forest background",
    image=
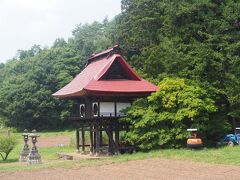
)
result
[(196, 41)]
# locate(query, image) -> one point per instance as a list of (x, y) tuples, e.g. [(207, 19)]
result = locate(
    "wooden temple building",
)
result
[(101, 91)]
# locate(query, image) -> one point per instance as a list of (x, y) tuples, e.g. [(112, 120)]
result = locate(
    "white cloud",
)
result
[(32, 4), (24, 23)]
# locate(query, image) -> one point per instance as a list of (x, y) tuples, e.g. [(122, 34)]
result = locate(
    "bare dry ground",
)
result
[(156, 168)]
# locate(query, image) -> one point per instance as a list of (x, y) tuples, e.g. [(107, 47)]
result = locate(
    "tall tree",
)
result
[(162, 119), (27, 83), (196, 40)]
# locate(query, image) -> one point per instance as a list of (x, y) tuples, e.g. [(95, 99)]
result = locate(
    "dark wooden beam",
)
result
[(83, 139), (117, 140), (88, 108), (77, 139), (94, 139), (110, 139), (98, 109), (91, 139), (97, 140), (112, 146), (101, 135), (115, 109)]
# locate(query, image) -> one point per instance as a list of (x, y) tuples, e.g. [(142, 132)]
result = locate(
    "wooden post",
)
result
[(77, 140), (110, 140), (88, 108), (101, 136), (91, 139), (115, 109), (83, 139), (97, 140), (117, 140), (94, 138)]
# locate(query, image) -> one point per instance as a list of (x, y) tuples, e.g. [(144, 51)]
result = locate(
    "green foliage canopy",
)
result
[(28, 82), (163, 118), (197, 41), (7, 144), (194, 40)]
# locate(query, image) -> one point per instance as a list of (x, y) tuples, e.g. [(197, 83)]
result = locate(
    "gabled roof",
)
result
[(113, 50), (90, 81)]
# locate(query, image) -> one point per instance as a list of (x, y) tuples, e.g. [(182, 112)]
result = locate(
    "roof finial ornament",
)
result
[(107, 53)]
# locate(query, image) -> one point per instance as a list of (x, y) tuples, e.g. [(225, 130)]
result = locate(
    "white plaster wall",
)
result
[(106, 108)]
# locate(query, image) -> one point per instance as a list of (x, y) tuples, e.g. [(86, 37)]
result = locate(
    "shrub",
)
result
[(161, 120), (7, 144)]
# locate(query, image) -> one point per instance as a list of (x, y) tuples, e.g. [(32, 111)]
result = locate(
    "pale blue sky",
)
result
[(24, 23)]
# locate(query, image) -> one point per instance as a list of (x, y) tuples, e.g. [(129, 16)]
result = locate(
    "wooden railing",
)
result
[(106, 115)]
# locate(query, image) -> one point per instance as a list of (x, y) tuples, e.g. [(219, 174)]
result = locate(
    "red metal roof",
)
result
[(107, 52), (103, 52), (89, 80)]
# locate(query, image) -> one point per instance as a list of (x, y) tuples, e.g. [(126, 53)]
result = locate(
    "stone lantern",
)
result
[(34, 157), (25, 151)]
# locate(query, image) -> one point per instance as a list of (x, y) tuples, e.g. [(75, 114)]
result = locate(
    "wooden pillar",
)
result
[(94, 138), (77, 139), (101, 135), (91, 139), (117, 139), (83, 139), (115, 109), (110, 141), (97, 139)]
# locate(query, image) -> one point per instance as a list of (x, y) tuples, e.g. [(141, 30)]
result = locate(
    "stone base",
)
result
[(24, 155), (34, 159), (65, 156), (22, 158)]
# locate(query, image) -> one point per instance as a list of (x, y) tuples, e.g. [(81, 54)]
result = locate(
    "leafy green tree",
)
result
[(26, 93), (7, 144), (162, 119), (22, 54), (196, 40), (90, 38), (28, 82), (59, 42)]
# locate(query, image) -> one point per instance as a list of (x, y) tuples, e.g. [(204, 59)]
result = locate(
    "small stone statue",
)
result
[(34, 157), (25, 151)]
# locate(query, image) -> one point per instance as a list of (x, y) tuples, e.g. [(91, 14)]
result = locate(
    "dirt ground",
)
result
[(156, 168), (141, 169)]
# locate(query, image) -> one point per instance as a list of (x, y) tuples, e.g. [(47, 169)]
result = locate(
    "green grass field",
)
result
[(224, 155)]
